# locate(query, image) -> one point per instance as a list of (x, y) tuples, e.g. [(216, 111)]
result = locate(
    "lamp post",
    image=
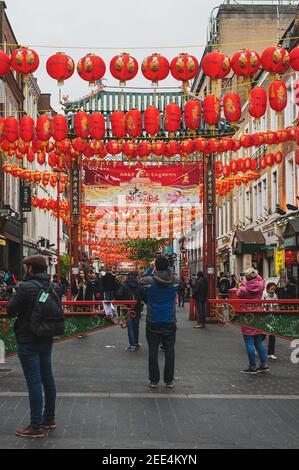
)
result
[(58, 171)]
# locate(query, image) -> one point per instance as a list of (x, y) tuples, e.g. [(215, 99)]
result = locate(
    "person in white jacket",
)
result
[(269, 294)]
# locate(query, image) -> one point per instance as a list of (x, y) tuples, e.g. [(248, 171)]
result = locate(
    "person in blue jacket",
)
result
[(161, 290)]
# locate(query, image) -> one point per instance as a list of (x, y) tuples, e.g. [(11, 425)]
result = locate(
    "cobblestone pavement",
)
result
[(104, 402)]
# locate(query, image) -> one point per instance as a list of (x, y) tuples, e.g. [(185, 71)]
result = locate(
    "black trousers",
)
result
[(181, 296), (156, 334)]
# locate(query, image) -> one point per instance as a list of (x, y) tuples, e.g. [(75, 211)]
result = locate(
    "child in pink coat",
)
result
[(252, 288)]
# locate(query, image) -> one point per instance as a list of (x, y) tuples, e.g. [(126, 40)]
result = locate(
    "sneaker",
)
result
[(82, 336), (271, 356), (199, 325), (263, 369), (169, 385), (138, 345), (49, 424), (161, 347), (131, 348), (153, 385), (30, 432), (249, 370)]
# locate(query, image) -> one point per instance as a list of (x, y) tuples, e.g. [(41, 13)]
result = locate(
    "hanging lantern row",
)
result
[(35, 176), (243, 165), (60, 153), (124, 67)]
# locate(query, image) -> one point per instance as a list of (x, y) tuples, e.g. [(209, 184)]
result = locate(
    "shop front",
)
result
[(291, 248), (248, 246)]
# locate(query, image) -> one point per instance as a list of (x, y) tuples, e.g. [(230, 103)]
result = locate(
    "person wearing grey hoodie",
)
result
[(161, 290)]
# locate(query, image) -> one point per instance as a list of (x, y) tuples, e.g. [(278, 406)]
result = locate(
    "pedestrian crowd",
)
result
[(37, 304)]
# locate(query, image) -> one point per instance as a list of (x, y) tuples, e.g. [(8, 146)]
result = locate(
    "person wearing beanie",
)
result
[(252, 288), (34, 352)]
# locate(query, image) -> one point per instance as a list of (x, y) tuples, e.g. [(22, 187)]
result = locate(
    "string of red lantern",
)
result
[(124, 67)]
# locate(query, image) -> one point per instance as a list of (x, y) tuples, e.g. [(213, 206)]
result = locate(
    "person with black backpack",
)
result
[(130, 290), (39, 318)]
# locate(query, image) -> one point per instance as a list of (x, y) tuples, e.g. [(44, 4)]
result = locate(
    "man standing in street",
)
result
[(200, 295), (161, 290), (34, 351)]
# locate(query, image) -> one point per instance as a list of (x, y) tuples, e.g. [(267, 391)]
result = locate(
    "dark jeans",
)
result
[(255, 342), (166, 335), (35, 359), (271, 344), (181, 296), (201, 310), (109, 295), (133, 331)]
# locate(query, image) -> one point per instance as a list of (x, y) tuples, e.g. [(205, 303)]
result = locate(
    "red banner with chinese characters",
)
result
[(172, 175)]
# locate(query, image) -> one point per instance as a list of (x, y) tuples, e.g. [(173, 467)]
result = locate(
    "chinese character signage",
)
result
[(75, 192), (25, 197), (210, 192), (279, 261)]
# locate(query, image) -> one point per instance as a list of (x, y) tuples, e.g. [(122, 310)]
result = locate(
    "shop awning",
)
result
[(248, 241)]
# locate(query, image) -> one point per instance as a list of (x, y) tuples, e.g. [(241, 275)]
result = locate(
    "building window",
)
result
[(290, 109), (264, 201), (247, 207), (290, 180), (255, 202), (273, 120), (241, 204), (274, 190), (224, 218)]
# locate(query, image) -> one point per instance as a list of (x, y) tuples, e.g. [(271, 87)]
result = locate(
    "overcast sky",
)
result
[(77, 27)]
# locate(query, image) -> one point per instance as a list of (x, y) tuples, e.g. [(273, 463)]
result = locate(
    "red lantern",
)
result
[(113, 147), (118, 124), (87, 150), (278, 95), (192, 114), (173, 148), (257, 101), (44, 127), (97, 125), (236, 145), (37, 177), (227, 144), (134, 122), (53, 180), (11, 129), (226, 171), (294, 58), (270, 159), (30, 156), (275, 59), (246, 140), (91, 68), (81, 125), (24, 61), (232, 107), (60, 129), (35, 202), (282, 135), (60, 67), (253, 164), (172, 117), (123, 67), (52, 159), (184, 67), (41, 158), (263, 163), (211, 109), (216, 65), (155, 68), (144, 148), (271, 138), (186, 147), (4, 64), (158, 147), (78, 144), (218, 168), (212, 146), (278, 157), (26, 128), (245, 63), (200, 144), (233, 167), (128, 148), (152, 120)]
